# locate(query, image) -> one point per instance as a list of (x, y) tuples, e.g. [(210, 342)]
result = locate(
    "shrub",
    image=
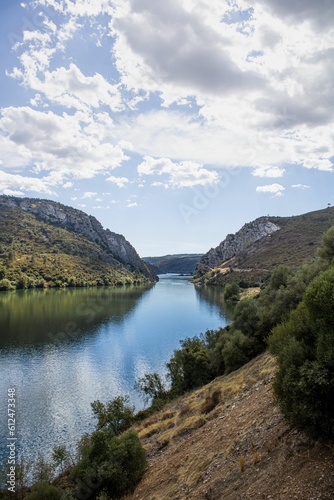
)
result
[(116, 415), (6, 285), (189, 367), (43, 491), (111, 463), (231, 292), (237, 351), (304, 345), (150, 386), (211, 401)]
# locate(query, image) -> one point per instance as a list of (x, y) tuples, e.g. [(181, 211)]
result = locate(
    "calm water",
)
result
[(63, 349)]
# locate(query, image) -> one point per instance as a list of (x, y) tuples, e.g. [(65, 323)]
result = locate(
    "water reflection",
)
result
[(214, 297), (63, 349), (37, 317)]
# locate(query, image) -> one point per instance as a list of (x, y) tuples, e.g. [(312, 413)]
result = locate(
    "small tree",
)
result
[(110, 461), (43, 470), (117, 414), (61, 457), (189, 367), (326, 250), (231, 292), (150, 386)]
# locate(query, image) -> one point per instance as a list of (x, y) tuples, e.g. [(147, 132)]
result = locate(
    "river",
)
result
[(62, 349)]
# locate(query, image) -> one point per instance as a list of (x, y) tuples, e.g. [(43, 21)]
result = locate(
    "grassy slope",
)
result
[(42, 251), (242, 449), (294, 244)]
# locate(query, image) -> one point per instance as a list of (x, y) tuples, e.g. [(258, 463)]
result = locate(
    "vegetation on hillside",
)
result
[(109, 462), (34, 254), (304, 346), (293, 313), (294, 244)]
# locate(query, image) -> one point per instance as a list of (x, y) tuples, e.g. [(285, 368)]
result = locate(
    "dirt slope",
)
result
[(242, 449)]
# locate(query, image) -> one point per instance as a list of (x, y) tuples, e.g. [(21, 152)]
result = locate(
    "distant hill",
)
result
[(179, 263), (248, 256), (45, 243)]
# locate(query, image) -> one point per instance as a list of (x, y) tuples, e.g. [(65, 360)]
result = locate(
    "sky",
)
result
[(173, 123)]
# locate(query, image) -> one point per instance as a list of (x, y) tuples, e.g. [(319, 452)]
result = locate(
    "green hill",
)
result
[(44, 243)]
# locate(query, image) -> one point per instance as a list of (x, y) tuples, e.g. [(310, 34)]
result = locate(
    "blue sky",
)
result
[(175, 122)]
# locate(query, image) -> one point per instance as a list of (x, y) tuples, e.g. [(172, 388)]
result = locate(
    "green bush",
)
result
[(304, 346), (110, 463), (44, 491), (189, 367), (6, 285), (231, 292), (237, 351)]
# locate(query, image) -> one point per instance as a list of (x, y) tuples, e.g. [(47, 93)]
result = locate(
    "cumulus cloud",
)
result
[(181, 174), (78, 146), (16, 182), (188, 84), (174, 44), (264, 171), (119, 181), (320, 12), (71, 88), (275, 189)]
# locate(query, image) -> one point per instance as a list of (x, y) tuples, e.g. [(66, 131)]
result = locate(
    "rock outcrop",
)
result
[(115, 249), (235, 244)]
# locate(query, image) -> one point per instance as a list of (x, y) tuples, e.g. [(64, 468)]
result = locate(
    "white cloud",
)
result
[(20, 183), (181, 174), (300, 186), (72, 89), (119, 181), (68, 185), (275, 189), (264, 171), (252, 81), (79, 146), (182, 50), (132, 205), (11, 192), (88, 194)]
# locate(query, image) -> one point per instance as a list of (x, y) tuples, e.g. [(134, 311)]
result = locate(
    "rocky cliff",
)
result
[(235, 244), (249, 256), (115, 249)]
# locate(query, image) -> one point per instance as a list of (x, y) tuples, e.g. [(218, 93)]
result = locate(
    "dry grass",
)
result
[(242, 445), (250, 292)]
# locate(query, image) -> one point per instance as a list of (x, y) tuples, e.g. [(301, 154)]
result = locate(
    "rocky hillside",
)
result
[(248, 256), (31, 228), (178, 263), (240, 449)]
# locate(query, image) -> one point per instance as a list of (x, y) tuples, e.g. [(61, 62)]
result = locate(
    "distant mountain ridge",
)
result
[(178, 263), (105, 246), (249, 255)]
